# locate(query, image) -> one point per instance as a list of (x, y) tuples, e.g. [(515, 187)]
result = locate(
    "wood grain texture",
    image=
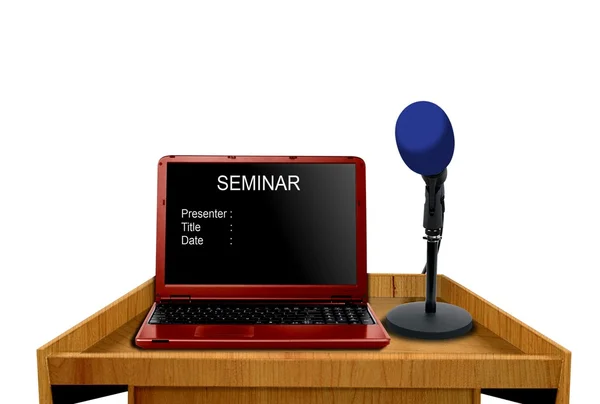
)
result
[(131, 394), (301, 396), (395, 371), (498, 321), (480, 340), (380, 285), (509, 328), (93, 329), (501, 352), (564, 383), (409, 285)]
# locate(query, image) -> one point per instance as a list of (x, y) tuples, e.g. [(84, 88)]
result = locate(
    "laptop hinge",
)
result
[(177, 299), (345, 298)]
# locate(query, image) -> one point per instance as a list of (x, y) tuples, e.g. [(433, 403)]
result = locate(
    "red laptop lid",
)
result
[(261, 228)]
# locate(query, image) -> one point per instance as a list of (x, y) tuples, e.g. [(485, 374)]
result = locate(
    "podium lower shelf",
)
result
[(501, 357)]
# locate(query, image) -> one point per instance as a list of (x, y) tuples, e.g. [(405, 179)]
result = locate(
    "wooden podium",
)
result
[(501, 357)]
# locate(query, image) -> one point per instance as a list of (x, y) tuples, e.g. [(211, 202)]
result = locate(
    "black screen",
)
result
[(271, 224)]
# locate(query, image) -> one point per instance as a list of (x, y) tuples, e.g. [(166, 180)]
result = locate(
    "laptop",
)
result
[(261, 252)]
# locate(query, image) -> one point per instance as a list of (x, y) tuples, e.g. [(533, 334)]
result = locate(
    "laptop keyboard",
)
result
[(288, 314)]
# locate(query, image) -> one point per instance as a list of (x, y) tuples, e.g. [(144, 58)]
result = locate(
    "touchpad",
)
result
[(224, 331)]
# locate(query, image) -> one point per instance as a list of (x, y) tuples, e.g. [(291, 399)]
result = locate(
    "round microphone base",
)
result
[(411, 320)]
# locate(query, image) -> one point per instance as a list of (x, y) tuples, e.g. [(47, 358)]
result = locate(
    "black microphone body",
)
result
[(433, 214)]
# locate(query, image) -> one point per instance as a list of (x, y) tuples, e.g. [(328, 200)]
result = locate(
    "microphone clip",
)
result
[(433, 215)]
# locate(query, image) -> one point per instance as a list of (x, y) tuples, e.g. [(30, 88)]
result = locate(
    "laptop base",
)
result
[(261, 336)]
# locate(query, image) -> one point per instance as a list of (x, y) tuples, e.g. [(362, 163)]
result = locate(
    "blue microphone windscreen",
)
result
[(425, 138)]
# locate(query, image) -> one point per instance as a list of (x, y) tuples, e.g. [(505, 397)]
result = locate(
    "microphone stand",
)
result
[(430, 320)]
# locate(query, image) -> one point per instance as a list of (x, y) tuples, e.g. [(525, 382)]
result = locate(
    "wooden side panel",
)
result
[(564, 384), (44, 389), (381, 285), (93, 329), (509, 328), (168, 395), (498, 321), (105, 321)]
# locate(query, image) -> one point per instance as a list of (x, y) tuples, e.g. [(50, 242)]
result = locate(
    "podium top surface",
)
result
[(500, 352), (481, 340)]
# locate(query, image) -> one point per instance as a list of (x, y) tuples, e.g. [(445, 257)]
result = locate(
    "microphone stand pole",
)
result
[(433, 222), (431, 292)]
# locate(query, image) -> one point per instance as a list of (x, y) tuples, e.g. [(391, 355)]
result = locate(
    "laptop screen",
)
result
[(260, 224)]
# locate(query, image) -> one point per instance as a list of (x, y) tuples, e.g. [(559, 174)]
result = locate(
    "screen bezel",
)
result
[(263, 292)]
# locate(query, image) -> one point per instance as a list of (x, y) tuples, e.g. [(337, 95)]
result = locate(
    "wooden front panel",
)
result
[(363, 370), (166, 395)]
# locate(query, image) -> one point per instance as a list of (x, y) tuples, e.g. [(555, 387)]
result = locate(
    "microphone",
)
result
[(425, 140)]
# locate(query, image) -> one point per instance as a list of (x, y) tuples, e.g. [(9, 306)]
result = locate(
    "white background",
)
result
[(93, 93)]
